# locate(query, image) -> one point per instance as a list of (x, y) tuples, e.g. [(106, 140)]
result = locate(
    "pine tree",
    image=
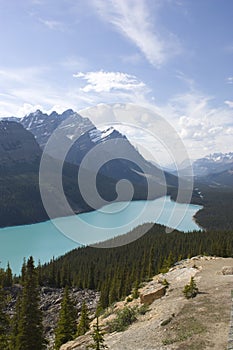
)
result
[(30, 329), (15, 323), (8, 280), (23, 271), (84, 322), (66, 327), (190, 290), (135, 293), (4, 323), (98, 337)]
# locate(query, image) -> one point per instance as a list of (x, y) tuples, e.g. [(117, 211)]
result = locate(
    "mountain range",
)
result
[(215, 170), (21, 149), (213, 164)]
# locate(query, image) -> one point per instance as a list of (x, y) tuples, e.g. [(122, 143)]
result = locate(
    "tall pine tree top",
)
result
[(66, 327), (30, 329)]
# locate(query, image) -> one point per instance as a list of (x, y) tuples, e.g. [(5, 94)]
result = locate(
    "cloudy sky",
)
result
[(173, 56)]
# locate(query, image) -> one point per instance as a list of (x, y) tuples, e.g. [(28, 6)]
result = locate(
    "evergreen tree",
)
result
[(23, 271), (4, 323), (30, 329), (98, 337), (84, 322), (190, 290), (8, 280), (15, 323), (66, 327), (135, 293)]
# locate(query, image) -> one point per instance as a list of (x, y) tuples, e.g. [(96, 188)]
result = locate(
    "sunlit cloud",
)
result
[(132, 19), (101, 81), (52, 24), (229, 80), (229, 103)]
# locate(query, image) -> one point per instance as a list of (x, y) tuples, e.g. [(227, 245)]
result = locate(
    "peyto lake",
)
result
[(56, 237)]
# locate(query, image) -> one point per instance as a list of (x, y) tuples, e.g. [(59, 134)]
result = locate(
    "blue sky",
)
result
[(174, 56)]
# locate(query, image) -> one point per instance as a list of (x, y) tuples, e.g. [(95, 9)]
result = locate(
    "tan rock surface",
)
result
[(175, 323)]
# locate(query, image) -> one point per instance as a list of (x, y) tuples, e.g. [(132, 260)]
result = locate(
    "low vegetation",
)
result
[(125, 317), (190, 290)]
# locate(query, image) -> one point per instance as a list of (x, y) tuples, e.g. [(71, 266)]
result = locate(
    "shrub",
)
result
[(190, 290), (165, 283), (143, 309), (129, 299), (124, 318)]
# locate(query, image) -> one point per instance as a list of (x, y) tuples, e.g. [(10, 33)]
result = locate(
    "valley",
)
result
[(68, 250)]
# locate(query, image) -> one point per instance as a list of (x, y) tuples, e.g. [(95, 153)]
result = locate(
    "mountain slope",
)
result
[(220, 179), (16, 144), (109, 148), (19, 186), (20, 157), (213, 163)]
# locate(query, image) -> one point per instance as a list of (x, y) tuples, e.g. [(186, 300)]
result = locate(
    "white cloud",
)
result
[(101, 81), (133, 19), (229, 103), (229, 80), (52, 24), (203, 128), (27, 108)]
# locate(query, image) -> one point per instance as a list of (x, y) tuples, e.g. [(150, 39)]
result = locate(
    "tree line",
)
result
[(116, 271)]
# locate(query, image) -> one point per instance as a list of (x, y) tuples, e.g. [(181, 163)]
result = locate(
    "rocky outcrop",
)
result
[(51, 304), (227, 270), (81, 343), (151, 293)]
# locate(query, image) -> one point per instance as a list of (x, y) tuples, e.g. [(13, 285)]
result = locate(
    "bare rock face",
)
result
[(81, 343), (227, 270), (153, 292)]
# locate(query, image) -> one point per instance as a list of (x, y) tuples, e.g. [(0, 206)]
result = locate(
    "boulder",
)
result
[(227, 270), (80, 343), (154, 292)]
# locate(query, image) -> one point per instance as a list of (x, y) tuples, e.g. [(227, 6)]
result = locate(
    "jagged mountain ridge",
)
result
[(81, 135), (20, 157), (213, 164)]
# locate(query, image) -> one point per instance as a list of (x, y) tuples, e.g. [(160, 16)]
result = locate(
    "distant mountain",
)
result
[(20, 156), (10, 119), (42, 125), (17, 145), (222, 179), (80, 136), (213, 164)]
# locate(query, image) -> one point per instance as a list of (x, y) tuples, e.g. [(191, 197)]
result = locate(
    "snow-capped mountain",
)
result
[(213, 163), (42, 125), (79, 135), (112, 158)]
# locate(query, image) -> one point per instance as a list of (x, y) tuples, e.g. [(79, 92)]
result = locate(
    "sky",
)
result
[(174, 57)]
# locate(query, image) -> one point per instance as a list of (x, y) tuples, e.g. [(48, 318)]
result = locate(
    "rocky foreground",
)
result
[(173, 322), (51, 305)]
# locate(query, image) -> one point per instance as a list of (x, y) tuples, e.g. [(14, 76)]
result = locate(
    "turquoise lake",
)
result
[(56, 237)]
